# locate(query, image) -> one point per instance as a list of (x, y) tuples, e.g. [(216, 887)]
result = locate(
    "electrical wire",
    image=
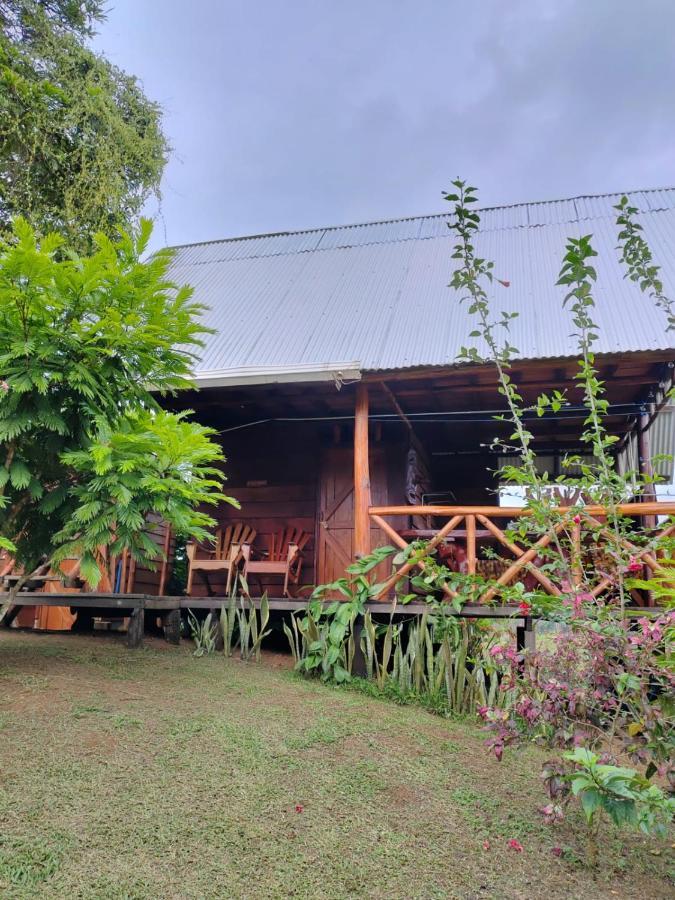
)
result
[(434, 416)]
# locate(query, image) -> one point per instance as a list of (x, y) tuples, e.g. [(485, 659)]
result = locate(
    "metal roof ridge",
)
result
[(439, 215), (525, 226)]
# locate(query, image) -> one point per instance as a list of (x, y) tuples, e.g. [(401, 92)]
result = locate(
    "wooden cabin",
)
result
[(332, 373), (331, 376)]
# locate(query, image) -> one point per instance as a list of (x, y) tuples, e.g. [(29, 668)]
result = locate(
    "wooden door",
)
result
[(335, 533)]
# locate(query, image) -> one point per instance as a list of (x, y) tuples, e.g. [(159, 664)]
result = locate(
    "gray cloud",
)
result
[(314, 112)]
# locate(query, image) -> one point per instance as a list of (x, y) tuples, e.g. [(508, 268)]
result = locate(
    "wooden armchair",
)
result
[(232, 544), (284, 557)]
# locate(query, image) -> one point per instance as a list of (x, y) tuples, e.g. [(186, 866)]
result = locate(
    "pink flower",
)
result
[(299, 808), (486, 845), (552, 813), (513, 844), (634, 565), (577, 520), (557, 851), (525, 608), (4, 386)]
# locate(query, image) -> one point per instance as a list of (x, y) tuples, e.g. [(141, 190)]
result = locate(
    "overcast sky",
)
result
[(287, 114)]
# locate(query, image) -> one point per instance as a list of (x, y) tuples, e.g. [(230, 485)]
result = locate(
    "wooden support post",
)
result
[(218, 631), (171, 623), (361, 474), (136, 628), (359, 660), (525, 636), (645, 464)]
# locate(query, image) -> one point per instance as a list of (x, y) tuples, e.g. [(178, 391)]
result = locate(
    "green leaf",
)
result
[(19, 475), (340, 674), (590, 801)]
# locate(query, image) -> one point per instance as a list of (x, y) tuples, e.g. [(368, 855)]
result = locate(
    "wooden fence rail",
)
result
[(479, 524)]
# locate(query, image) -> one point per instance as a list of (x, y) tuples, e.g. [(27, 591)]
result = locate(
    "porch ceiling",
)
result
[(451, 408)]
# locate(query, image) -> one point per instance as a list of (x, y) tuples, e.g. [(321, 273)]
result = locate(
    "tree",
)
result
[(78, 16), (81, 146), (87, 342)]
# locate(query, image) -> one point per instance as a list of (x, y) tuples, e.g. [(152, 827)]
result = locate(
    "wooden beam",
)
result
[(661, 508), (361, 474), (632, 360), (414, 440)]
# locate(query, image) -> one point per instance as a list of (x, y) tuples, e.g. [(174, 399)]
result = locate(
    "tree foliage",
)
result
[(79, 16), (86, 343), (81, 146), (154, 464)]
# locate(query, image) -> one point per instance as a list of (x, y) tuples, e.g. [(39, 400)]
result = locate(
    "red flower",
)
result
[(513, 844), (634, 565), (577, 520), (299, 807), (525, 608), (557, 851)]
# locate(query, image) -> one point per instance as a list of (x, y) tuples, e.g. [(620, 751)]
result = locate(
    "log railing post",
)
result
[(361, 474), (577, 565), (645, 465), (471, 544)]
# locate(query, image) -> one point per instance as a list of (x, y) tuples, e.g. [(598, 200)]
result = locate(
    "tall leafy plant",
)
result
[(472, 279), (602, 683), (323, 640), (87, 345)]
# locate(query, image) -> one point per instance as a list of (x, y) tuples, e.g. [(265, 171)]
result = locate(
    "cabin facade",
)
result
[(331, 376)]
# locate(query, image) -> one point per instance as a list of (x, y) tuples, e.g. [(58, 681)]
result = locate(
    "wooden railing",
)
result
[(466, 526)]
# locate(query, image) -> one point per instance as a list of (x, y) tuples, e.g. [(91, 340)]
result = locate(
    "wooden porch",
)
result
[(324, 458)]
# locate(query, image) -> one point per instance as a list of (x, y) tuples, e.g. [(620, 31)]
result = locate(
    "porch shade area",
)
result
[(314, 457)]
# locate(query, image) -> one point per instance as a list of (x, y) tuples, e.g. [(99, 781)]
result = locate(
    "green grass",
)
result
[(152, 774)]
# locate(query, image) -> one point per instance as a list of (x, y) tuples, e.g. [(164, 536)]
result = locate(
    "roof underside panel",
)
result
[(378, 293)]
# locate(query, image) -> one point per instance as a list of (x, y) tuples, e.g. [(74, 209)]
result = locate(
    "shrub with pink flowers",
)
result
[(602, 682)]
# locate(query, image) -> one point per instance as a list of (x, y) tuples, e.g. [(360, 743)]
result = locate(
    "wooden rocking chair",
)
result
[(283, 558), (233, 543)]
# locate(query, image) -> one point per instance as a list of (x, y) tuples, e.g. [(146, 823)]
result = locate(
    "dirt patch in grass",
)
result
[(144, 774)]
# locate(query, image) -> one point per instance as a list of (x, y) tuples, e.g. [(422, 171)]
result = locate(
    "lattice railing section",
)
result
[(467, 527)]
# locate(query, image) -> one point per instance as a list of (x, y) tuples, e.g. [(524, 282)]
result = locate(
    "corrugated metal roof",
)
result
[(377, 293)]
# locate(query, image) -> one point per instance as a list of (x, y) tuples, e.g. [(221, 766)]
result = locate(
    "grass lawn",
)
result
[(152, 774)]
